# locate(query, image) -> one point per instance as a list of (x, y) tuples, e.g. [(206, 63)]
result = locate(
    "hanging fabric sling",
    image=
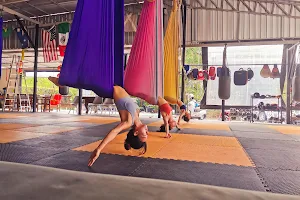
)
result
[(171, 44), (144, 71), (94, 54)]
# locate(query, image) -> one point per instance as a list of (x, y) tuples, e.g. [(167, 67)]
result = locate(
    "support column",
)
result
[(35, 68), (183, 12), (205, 67), (80, 102), (288, 87)]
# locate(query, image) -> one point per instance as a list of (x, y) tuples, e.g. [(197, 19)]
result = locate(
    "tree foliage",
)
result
[(193, 56)]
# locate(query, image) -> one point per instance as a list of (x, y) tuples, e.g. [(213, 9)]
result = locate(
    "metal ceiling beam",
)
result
[(13, 2), (13, 12), (37, 8), (57, 4), (19, 9)]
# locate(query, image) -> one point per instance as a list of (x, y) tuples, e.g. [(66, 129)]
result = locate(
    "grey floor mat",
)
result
[(99, 131), (282, 181), (206, 132), (61, 142), (24, 154), (261, 135), (275, 159), (250, 127), (195, 131), (76, 124), (203, 173), (250, 143), (106, 163)]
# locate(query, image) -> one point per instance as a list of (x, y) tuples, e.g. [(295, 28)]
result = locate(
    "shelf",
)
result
[(272, 110), (266, 97)]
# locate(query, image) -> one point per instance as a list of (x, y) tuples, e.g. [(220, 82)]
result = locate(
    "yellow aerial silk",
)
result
[(23, 54), (171, 44)]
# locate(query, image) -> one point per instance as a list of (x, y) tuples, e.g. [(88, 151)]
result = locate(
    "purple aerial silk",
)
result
[(94, 54)]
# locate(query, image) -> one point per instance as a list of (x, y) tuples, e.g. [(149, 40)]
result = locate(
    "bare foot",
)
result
[(54, 80)]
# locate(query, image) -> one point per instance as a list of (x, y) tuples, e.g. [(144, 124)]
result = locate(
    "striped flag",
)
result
[(49, 44)]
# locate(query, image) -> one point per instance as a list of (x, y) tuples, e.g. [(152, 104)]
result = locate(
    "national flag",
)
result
[(63, 35), (49, 44), (23, 38), (6, 32)]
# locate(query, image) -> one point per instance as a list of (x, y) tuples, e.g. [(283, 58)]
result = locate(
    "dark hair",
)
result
[(133, 141), (186, 117), (162, 128)]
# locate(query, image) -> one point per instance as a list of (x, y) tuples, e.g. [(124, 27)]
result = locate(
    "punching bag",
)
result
[(224, 83), (296, 84), (224, 79), (64, 90)]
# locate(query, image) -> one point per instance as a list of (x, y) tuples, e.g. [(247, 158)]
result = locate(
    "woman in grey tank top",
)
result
[(129, 114)]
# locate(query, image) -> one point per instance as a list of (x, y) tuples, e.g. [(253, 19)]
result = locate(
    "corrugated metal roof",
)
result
[(239, 21)]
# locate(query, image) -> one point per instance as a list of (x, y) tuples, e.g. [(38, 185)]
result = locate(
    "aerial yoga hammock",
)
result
[(144, 72), (171, 45), (94, 54), (143, 76)]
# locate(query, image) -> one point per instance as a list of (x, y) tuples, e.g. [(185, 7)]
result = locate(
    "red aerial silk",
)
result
[(144, 72)]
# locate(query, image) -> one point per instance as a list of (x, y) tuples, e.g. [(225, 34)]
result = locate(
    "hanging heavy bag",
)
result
[(240, 77), (275, 72), (201, 76), (250, 74), (224, 84), (64, 90), (195, 74), (296, 84), (265, 72), (219, 69)]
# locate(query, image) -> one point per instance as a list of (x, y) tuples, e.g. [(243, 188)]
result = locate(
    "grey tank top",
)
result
[(127, 103)]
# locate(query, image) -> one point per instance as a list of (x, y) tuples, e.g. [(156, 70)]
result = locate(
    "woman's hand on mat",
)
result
[(168, 135), (94, 156)]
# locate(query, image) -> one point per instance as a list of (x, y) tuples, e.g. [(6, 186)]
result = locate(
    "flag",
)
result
[(49, 44), (6, 32), (63, 34), (23, 38)]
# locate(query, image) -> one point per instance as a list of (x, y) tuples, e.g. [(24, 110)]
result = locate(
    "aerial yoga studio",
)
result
[(177, 111)]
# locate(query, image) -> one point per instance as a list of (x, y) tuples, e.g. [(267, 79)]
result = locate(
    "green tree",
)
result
[(193, 56), (44, 86)]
